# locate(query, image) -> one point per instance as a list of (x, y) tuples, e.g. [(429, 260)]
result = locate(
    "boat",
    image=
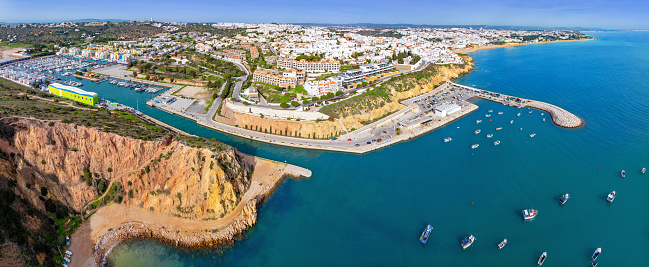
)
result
[(530, 112), (475, 146), (542, 113), (467, 242), (643, 170), (593, 264), (478, 121), (487, 115), (490, 111), (542, 258), (596, 254), (532, 135), (497, 143), (564, 198), (518, 115), (490, 135), (499, 128), (623, 173), (611, 196), (543, 119), (530, 214), (448, 139), (500, 113), (424, 235), (502, 244), (511, 122), (477, 131)]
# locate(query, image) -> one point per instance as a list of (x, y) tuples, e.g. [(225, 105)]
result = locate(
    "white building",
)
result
[(446, 109), (318, 88)]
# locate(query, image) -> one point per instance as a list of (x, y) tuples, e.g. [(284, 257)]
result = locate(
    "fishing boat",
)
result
[(477, 131), (518, 115), (475, 146), (502, 244), (500, 113), (478, 121), (542, 258), (499, 128), (497, 143), (623, 173), (593, 264), (611, 196), (530, 214), (564, 198), (447, 139), (467, 242), (424, 235), (487, 115), (596, 254), (511, 122), (643, 170), (490, 135), (532, 135)]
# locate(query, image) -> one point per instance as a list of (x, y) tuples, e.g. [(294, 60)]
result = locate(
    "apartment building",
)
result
[(319, 88), (275, 78), (318, 66)]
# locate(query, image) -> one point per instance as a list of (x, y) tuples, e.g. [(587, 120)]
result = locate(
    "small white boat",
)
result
[(623, 173), (511, 122), (475, 146), (530, 214), (543, 119), (467, 242), (490, 111), (502, 244), (499, 128), (542, 113), (643, 170), (518, 115), (532, 135), (564, 198), (530, 112), (477, 131), (611, 196), (490, 135), (500, 113), (542, 258), (596, 254), (497, 143), (487, 115), (448, 139), (478, 121)]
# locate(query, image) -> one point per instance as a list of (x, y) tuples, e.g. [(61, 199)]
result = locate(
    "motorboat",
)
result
[(500, 113), (475, 146), (542, 113), (477, 131), (593, 264), (518, 115), (424, 235), (564, 198), (542, 258), (490, 111), (511, 122), (447, 139), (490, 135), (499, 128), (611, 196), (623, 173), (530, 214), (497, 143), (467, 242), (596, 254), (643, 170), (478, 121), (502, 244), (530, 112), (532, 135), (487, 115), (543, 119)]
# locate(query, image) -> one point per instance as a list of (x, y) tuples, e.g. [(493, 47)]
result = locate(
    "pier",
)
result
[(560, 117)]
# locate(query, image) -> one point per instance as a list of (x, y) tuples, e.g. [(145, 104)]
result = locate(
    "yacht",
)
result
[(478, 121), (623, 173), (542, 258), (490, 135), (499, 128), (497, 143), (477, 131), (424, 236), (500, 113), (447, 139), (596, 254), (564, 198), (502, 244), (611, 196), (530, 214), (532, 135), (475, 146), (467, 242), (643, 170)]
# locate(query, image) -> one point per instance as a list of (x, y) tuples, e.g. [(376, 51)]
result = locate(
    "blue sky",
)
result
[(621, 14)]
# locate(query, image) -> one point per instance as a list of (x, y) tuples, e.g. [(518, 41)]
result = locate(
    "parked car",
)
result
[(358, 145), (369, 143)]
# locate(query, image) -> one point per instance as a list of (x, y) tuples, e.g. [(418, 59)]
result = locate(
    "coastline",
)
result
[(467, 50)]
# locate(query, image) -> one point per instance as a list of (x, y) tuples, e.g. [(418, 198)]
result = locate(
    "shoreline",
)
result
[(468, 50)]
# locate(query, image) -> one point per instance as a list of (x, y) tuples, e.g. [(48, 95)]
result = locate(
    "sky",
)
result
[(606, 14)]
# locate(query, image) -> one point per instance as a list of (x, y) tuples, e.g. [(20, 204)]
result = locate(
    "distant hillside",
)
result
[(95, 20)]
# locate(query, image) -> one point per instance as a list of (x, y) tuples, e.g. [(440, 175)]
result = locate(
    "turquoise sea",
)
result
[(369, 210)]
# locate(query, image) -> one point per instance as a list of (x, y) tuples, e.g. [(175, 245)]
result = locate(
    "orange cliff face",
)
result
[(165, 177)]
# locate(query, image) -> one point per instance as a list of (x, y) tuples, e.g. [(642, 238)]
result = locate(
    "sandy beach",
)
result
[(466, 50)]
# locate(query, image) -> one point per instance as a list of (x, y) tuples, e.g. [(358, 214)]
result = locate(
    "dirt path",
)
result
[(267, 174)]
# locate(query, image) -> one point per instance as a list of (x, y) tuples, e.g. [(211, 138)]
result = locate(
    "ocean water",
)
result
[(369, 210)]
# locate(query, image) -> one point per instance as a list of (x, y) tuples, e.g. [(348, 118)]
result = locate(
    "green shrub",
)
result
[(339, 92), (130, 193), (283, 105), (42, 161), (50, 123), (110, 169), (295, 103)]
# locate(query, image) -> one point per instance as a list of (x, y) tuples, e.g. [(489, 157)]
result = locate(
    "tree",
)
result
[(295, 103), (339, 92), (315, 98), (110, 169), (284, 105)]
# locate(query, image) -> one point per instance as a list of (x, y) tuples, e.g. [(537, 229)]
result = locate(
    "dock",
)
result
[(560, 116)]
